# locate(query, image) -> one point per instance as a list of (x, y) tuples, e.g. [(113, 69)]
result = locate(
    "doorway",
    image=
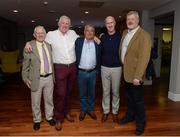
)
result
[(163, 38)]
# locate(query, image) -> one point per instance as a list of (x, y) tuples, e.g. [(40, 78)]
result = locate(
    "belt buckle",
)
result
[(68, 65), (89, 70), (46, 75)]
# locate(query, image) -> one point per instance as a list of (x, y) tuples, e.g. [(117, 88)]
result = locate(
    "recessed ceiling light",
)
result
[(15, 11), (45, 3), (120, 16), (32, 21), (51, 11), (86, 12)]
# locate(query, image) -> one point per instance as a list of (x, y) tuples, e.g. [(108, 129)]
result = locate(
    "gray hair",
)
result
[(89, 25), (133, 12), (64, 17), (39, 26)]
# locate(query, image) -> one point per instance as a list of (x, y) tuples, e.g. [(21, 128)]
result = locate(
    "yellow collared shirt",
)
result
[(39, 47)]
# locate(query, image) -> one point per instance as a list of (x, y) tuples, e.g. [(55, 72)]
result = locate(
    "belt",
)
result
[(46, 75), (65, 65), (87, 70)]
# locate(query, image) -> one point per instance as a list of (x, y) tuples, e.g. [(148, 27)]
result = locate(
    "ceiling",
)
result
[(46, 12)]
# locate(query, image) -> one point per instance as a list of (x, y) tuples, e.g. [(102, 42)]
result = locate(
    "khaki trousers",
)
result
[(110, 78), (46, 86)]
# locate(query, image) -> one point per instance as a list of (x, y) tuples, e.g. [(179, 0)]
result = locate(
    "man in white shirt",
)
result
[(63, 51)]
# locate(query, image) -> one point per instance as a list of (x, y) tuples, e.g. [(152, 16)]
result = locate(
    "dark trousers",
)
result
[(87, 83), (135, 102), (64, 79)]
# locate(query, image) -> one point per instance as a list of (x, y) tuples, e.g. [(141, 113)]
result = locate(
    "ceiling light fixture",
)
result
[(45, 3), (86, 12), (51, 11), (32, 21), (15, 11), (82, 22), (167, 29)]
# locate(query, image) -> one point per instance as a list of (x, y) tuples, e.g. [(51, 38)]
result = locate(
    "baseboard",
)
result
[(174, 97)]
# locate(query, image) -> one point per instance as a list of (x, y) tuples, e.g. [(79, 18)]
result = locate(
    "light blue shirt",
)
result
[(88, 55)]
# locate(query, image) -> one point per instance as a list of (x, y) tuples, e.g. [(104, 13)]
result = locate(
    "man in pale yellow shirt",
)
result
[(38, 75)]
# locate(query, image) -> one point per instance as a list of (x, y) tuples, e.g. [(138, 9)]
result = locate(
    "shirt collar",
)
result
[(88, 41), (133, 30), (62, 33), (39, 43)]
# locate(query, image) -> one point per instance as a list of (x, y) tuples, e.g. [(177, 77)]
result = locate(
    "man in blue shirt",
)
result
[(110, 69), (88, 63)]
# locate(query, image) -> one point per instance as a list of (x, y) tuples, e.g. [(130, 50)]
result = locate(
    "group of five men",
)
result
[(61, 55)]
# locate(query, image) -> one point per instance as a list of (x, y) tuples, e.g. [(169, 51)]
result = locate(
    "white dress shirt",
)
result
[(63, 46), (126, 41)]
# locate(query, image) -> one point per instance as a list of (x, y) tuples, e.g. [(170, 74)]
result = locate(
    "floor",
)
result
[(163, 115)]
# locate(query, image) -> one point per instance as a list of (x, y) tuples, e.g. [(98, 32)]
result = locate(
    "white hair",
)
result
[(64, 17), (39, 26)]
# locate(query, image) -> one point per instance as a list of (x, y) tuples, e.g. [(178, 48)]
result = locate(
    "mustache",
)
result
[(130, 23)]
